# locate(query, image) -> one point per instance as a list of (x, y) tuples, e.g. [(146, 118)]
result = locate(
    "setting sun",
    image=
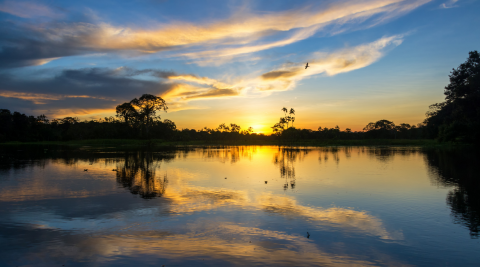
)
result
[(239, 133)]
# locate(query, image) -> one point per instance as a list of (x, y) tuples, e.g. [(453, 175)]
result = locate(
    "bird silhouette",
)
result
[(306, 66), (308, 235), (85, 170)]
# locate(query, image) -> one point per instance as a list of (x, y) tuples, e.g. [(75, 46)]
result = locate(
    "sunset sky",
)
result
[(235, 61)]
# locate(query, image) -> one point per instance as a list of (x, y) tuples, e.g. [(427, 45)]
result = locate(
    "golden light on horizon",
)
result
[(260, 128), (240, 67)]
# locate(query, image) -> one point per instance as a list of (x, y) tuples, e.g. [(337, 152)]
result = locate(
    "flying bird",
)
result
[(306, 66)]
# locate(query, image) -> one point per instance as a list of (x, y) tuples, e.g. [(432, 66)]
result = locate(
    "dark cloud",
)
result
[(83, 89), (97, 82), (24, 46), (20, 105), (272, 75), (164, 74), (215, 93), (27, 44)]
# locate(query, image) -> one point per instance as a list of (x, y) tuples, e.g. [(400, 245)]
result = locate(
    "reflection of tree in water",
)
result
[(284, 159), (386, 154), (324, 153), (459, 169), (28, 157), (231, 153), (137, 172)]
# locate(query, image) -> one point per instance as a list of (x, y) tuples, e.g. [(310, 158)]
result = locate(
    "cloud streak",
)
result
[(40, 99), (78, 91), (449, 4), (41, 43), (104, 88), (285, 77), (345, 60), (27, 9)]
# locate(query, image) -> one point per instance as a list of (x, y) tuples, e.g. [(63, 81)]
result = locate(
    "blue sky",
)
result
[(235, 61)]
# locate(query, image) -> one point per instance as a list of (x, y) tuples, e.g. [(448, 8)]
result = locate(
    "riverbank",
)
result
[(160, 143)]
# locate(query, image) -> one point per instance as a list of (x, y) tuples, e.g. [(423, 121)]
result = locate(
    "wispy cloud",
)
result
[(77, 91), (28, 9), (286, 76), (337, 62), (39, 99), (341, 14), (238, 35), (102, 85), (449, 4), (248, 26)]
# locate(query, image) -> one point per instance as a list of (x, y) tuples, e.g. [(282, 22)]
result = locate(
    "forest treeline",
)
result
[(455, 119), (20, 127)]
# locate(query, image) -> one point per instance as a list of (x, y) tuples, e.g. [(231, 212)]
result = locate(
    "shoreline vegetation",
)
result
[(158, 143), (451, 123)]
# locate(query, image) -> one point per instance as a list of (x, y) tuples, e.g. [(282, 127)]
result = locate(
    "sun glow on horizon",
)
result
[(260, 129), (233, 62)]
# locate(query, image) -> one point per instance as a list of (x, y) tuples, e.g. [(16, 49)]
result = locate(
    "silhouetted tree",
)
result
[(127, 112), (235, 128), (279, 127), (290, 117), (148, 105), (458, 118), (380, 129)]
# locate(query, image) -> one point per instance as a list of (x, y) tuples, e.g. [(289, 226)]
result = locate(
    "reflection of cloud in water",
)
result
[(193, 199), (49, 182), (350, 220), (218, 242), (196, 199), (147, 231)]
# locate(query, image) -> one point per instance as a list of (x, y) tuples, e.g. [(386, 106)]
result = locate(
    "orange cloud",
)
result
[(244, 29), (284, 77), (41, 98)]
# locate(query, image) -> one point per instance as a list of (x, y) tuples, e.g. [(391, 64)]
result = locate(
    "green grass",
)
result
[(160, 143)]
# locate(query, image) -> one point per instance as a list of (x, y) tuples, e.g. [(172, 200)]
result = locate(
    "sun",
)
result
[(260, 128)]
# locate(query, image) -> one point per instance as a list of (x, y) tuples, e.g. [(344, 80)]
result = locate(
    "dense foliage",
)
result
[(20, 127), (458, 117), (455, 119)]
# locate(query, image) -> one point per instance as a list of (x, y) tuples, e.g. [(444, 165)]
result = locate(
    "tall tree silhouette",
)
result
[(147, 107), (127, 112), (279, 127), (458, 118), (291, 118)]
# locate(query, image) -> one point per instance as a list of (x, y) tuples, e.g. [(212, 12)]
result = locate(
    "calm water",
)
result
[(239, 206)]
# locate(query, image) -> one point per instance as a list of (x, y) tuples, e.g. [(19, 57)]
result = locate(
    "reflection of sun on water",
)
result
[(196, 215)]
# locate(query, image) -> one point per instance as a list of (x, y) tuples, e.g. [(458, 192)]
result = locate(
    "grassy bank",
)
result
[(159, 143)]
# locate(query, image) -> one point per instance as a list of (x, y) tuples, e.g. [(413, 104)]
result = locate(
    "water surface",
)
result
[(239, 206)]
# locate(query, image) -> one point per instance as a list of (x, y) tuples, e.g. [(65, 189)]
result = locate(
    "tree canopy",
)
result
[(458, 117), (142, 111)]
